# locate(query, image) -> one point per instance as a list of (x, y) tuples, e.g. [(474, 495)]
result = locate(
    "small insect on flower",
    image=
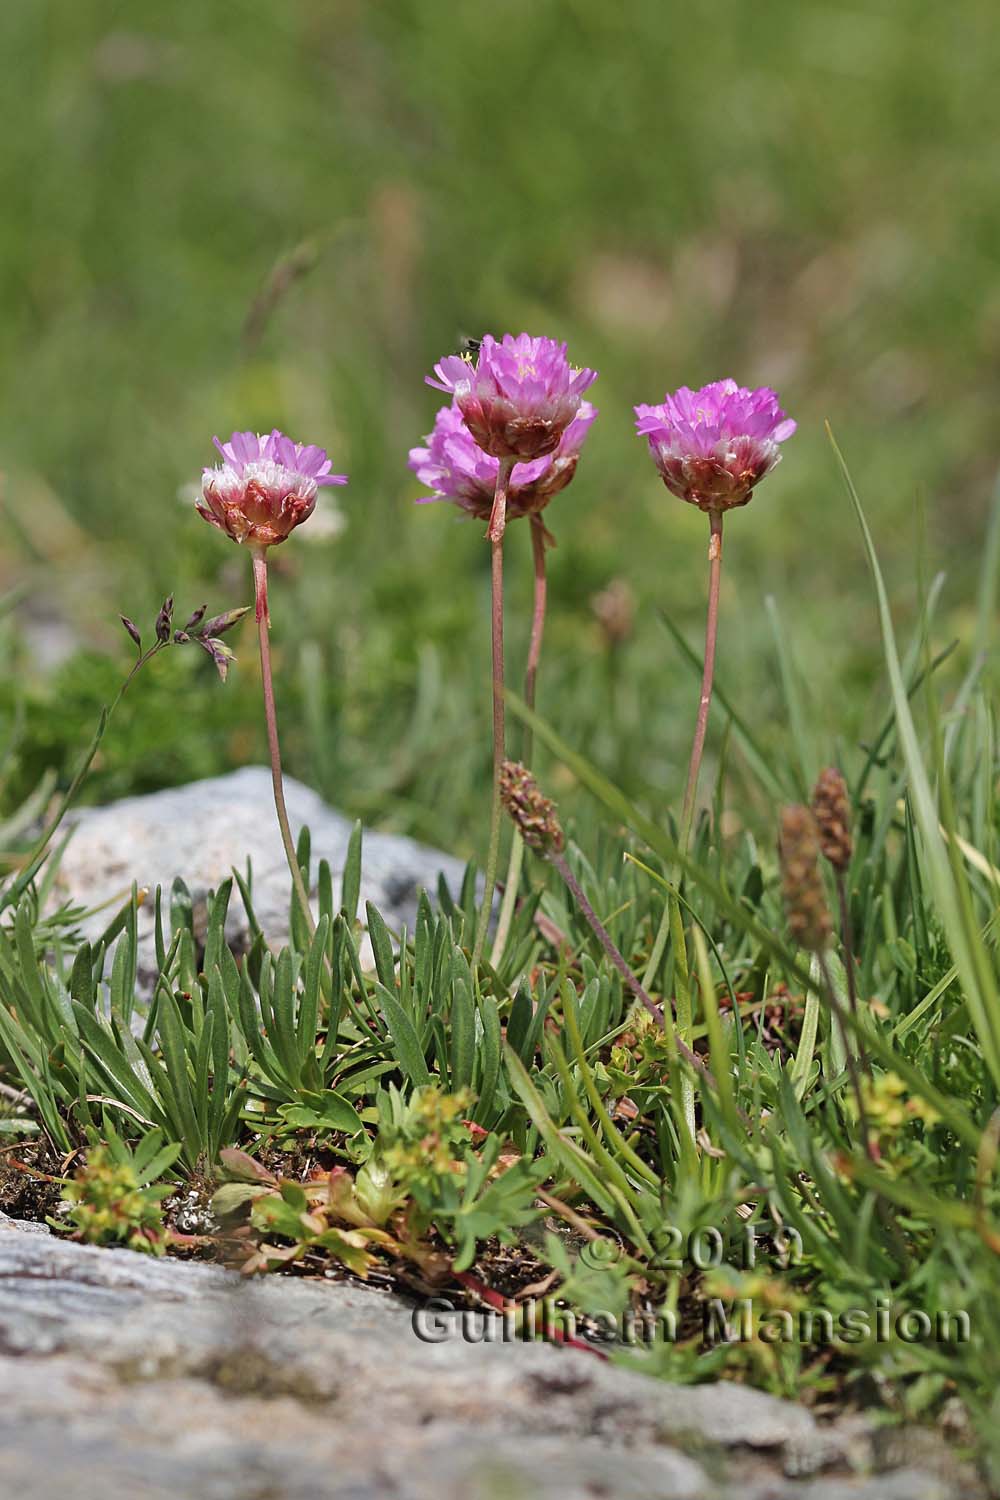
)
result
[(517, 395), (713, 446), (264, 487), (456, 468)]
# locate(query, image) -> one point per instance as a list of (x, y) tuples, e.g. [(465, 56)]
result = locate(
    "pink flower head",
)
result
[(518, 397), (714, 445), (455, 467), (264, 487)]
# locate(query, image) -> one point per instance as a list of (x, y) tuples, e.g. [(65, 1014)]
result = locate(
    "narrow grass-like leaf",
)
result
[(971, 958), (406, 1046), (350, 888), (463, 1035)]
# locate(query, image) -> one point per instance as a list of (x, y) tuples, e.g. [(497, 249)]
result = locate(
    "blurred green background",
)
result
[(242, 213)]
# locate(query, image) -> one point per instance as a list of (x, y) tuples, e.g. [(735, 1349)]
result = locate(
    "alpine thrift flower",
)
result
[(262, 490), (711, 447), (264, 487), (455, 467), (518, 397), (714, 445), (517, 400)]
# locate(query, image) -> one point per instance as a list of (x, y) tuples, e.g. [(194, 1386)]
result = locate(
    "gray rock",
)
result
[(202, 831), (123, 1376)]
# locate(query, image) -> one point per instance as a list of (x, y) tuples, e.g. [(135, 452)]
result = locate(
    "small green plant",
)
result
[(115, 1198), (423, 1186)]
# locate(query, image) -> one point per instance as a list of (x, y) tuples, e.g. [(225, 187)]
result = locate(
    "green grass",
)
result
[(439, 1102), (680, 195), (801, 197)]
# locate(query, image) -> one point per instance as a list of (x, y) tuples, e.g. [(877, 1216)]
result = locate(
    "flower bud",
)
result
[(614, 610), (132, 629), (163, 619)]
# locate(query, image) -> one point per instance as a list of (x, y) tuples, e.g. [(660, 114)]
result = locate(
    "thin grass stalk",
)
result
[(847, 941), (839, 1015)]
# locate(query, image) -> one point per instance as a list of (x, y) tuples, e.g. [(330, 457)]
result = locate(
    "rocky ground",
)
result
[(126, 1378), (122, 1376), (206, 829)]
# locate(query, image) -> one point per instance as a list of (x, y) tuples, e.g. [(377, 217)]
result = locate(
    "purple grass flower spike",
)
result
[(518, 397), (264, 487), (455, 467), (714, 445)]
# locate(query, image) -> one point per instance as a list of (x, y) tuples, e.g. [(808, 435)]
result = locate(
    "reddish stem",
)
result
[(270, 715), (708, 674), (631, 982), (540, 538), (498, 522), (538, 541)]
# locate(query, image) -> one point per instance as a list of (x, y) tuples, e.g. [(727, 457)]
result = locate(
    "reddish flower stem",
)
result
[(263, 632), (604, 938), (498, 522), (632, 983), (539, 536), (701, 726), (538, 539), (708, 674)]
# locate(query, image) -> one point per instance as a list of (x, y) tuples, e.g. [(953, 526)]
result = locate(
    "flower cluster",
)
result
[(520, 395), (264, 487), (456, 468), (714, 445)]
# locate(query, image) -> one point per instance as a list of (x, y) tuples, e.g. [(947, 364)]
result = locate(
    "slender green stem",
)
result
[(263, 633), (847, 939), (538, 543), (852, 1067), (495, 531)]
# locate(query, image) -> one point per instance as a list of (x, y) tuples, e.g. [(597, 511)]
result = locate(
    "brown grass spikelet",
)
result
[(831, 809), (533, 814), (802, 883)]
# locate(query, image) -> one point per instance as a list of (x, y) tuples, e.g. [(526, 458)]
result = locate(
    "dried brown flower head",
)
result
[(533, 814), (614, 610), (831, 808), (802, 883)]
